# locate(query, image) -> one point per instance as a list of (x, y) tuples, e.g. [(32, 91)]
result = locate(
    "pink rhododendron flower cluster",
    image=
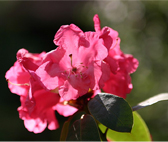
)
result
[(38, 105), (83, 62)]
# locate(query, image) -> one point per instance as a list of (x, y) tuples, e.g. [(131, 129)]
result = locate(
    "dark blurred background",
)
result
[(142, 27)]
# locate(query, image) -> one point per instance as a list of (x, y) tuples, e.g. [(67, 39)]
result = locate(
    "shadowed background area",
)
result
[(142, 27)]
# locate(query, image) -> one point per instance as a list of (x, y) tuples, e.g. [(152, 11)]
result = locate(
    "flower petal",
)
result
[(68, 36), (52, 121), (48, 74), (96, 20), (74, 87), (17, 75), (119, 84), (65, 110), (35, 125)]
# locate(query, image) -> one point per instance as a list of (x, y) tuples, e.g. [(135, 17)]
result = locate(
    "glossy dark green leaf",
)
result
[(89, 129), (112, 111), (74, 131), (68, 124), (84, 129), (75, 117)]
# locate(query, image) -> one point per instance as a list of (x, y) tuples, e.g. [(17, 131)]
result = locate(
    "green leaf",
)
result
[(68, 123), (112, 111), (102, 135), (74, 132), (139, 131), (151, 101), (89, 129), (75, 117), (84, 129)]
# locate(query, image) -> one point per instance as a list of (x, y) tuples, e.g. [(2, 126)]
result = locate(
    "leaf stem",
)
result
[(105, 133)]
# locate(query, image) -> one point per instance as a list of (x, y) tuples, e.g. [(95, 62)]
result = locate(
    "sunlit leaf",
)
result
[(139, 131), (112, 111)]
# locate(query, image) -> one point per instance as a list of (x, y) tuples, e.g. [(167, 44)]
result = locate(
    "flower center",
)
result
[(76, 70)]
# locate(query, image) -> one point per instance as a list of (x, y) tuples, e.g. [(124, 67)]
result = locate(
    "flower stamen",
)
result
[(115, 44), (74, 70), (70, 55)]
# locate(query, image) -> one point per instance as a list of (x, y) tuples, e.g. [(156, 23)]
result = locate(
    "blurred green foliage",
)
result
[(142, 27)]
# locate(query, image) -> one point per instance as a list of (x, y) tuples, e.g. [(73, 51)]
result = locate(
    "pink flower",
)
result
[(38, 111), (18, 75), (120, 82), (73, 73), (76, 65), (121, 65), (38, 108), (37, 104)]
